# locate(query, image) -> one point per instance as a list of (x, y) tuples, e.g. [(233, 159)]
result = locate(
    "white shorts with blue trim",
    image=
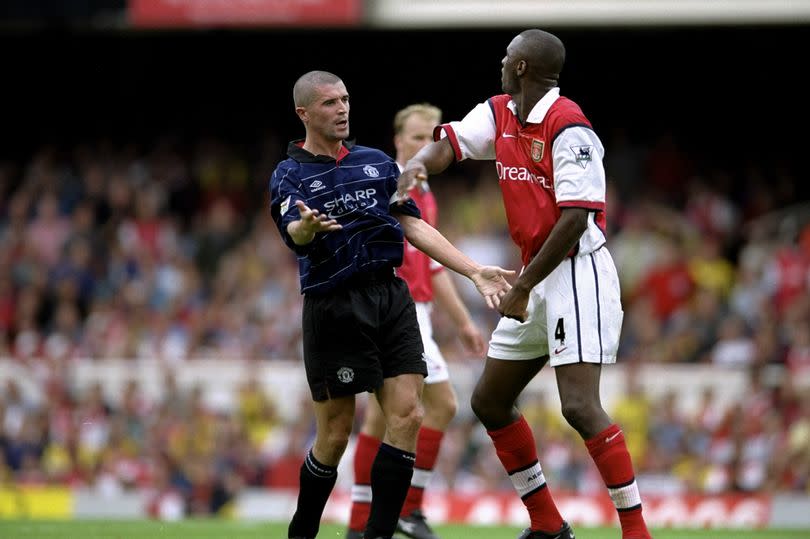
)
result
[(436, 364), (575, 316)]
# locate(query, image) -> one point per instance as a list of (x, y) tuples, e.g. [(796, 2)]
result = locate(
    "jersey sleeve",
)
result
[(474, 136), (409, 207), (284, 192), (579, 174)]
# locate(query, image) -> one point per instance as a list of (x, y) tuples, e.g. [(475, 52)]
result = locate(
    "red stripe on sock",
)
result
[(364, 453), (427, 451), (516, 449)]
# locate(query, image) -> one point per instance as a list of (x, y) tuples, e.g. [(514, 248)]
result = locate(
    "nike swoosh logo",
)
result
[(611, 438), (560, 350), (507, 135)]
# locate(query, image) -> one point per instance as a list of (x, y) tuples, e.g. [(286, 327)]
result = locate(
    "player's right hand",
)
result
[(313, 221), (492, 284), (413, 173)]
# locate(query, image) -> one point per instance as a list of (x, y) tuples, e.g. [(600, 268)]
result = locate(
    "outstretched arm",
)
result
[(311, 222), (490, 280), (432, 159)]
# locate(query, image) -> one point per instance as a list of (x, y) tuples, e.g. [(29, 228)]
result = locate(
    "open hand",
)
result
[(492, 284), (313, 221)]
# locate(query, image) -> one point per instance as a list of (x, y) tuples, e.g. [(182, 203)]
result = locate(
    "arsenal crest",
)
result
[(537, 149)]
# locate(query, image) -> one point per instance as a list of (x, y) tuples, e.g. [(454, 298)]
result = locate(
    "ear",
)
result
[(302, 113), (520, 67)]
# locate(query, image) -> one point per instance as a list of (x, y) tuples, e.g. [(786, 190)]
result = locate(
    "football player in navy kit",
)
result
[(335, 205)]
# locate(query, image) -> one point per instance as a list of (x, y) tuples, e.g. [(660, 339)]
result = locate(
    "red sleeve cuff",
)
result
[(587, 204), (451, 136)]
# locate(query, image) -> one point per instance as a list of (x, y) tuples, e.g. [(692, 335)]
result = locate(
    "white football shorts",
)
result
[(436, 364), (575, 315)]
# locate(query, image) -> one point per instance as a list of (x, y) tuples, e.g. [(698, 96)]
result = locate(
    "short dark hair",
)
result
[(304, 88)]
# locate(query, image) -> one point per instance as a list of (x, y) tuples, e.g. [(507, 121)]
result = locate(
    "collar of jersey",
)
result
[(541, 108), (295, 149)]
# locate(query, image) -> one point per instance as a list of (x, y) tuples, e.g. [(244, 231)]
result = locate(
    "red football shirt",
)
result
[(552, 161), (417, 268)]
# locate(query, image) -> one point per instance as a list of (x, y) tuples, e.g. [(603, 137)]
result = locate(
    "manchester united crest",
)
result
[(537, 149)]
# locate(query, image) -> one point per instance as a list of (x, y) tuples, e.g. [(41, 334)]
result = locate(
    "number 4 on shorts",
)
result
[(559, 331)]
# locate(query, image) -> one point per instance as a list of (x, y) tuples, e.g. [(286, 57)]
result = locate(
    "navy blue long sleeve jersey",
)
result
[(359, 190)]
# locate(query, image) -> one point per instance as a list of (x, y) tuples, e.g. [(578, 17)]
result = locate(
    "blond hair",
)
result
[(426, 110)]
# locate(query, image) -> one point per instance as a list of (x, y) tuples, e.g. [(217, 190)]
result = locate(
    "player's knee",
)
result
[(578, 413), (483, 407), (337, 442), (406, 421), (440, 412), (450, 408), (336, 437)]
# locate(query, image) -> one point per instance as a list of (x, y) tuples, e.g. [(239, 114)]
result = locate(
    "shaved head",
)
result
[(543, 52), (304, 89)]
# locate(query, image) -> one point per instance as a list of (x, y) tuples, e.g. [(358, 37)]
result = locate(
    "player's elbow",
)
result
[(575, 219), (411, 228)]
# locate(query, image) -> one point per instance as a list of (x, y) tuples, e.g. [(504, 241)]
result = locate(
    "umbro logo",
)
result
[(317, 185)]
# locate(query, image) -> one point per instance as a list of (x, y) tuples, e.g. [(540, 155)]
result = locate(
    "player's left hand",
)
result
[(413, 173), (472, 339), (492, 284), (514, 304)]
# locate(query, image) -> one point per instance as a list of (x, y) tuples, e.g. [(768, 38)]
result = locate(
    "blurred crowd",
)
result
[(111, 250)]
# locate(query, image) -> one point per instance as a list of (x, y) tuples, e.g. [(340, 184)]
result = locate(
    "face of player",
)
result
[(509, 78), (417, 132), (328, 115)]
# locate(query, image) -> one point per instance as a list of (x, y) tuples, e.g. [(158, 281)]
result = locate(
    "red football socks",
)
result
[(364, 454), (609, 453), (427, 451), (517, 452)]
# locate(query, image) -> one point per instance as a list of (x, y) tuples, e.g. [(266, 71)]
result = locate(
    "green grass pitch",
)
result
[(224, 529)]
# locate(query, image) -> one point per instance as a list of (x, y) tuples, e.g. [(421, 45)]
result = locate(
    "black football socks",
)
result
[(317, 482), (391, 476)]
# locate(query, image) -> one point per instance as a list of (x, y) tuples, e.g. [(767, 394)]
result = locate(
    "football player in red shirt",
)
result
[(565, 307), (429, 284)]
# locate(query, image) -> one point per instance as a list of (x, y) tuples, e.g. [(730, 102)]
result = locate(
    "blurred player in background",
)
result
[(428, 283), (565, 308)]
